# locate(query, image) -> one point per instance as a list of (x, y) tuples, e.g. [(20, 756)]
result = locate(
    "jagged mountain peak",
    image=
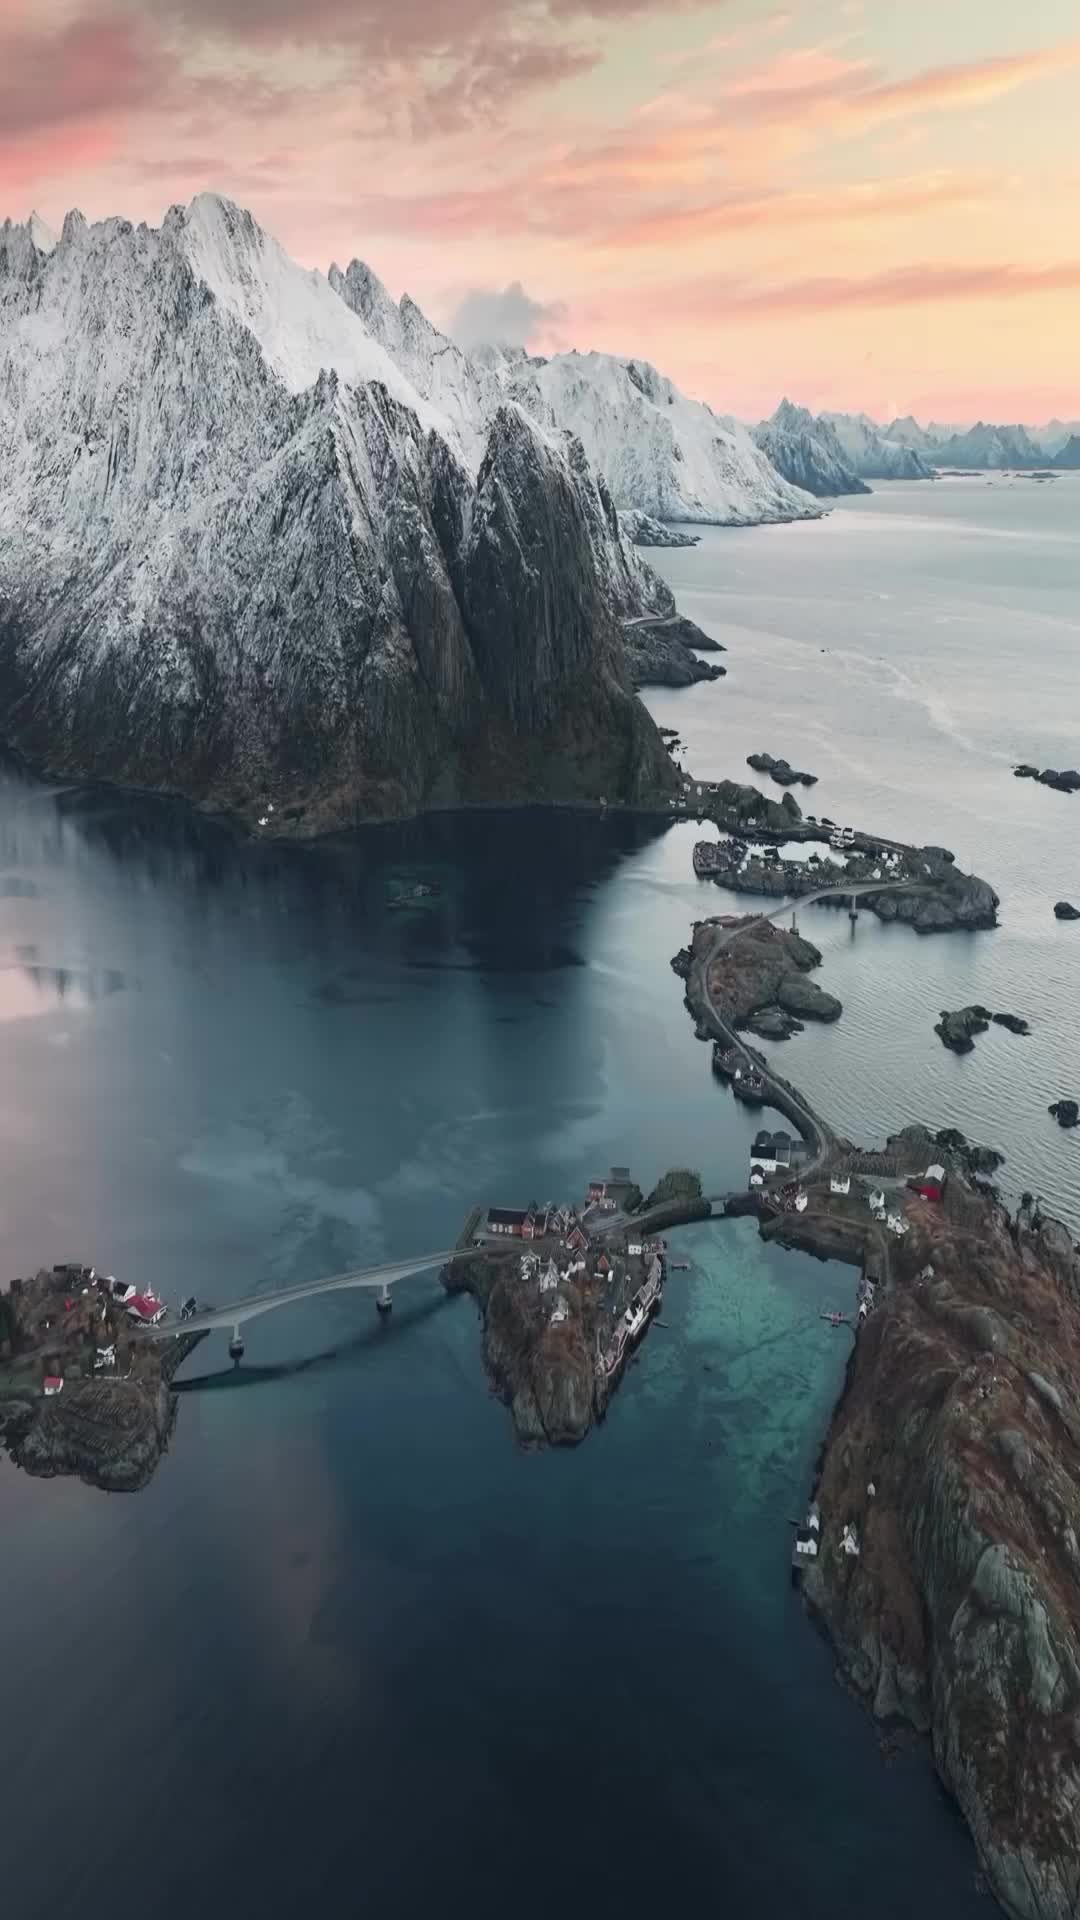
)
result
[(41, 233)]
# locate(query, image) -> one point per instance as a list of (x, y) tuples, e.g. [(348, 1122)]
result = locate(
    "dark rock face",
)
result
[(1012, 1022), (807, 452), (781, 771), (954, 1454), (644, 531), (1063, 910), (213, 585), (1065, 1112), (664, 652)]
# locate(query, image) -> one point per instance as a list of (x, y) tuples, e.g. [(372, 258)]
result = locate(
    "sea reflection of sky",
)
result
[(29, 990)]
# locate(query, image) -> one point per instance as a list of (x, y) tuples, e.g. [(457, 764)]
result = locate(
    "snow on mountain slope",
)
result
[(985, 445), (465, 393), (871, 455), (220, 581), (807, 452), (41, 233), (295, 315), (658, 451)]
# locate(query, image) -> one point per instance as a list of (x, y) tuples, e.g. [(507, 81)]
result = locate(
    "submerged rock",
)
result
[(1065, 1112), (1064, 910)]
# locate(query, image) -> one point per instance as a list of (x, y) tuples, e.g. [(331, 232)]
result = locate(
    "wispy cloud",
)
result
[(914, 285)]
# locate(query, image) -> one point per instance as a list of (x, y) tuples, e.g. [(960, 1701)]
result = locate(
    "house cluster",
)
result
[(931, 1184), (611, 1194), (775, 1153), (527, 1223)]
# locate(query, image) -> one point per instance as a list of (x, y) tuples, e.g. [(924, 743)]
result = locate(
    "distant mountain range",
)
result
[(835, 453)]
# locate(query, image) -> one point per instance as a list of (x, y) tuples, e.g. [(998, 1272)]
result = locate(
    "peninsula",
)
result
[(940, 1548)]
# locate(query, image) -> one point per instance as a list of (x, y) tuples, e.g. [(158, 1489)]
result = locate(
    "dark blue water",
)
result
[(350, 1646)]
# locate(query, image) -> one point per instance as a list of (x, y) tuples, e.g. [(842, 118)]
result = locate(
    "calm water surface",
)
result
[(350, 1645)]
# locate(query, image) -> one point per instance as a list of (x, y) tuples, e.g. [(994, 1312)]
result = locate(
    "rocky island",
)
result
[(781, 771), (957, 1030), (80, 1394), (566, 1308)]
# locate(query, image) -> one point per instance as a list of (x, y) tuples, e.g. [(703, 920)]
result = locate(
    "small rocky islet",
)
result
[(1065, 781), (957, 1030), (781, 771)]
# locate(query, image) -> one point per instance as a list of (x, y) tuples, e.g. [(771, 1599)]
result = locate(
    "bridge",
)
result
[(377, 1280)]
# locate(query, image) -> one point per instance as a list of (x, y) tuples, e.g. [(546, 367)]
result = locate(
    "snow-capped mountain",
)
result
[(807, 452), (871, 454), (667, 455), (989, 446), (659, 452), (908, 433), (243, 556)]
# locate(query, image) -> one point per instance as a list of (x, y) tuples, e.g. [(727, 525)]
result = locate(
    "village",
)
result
[(567, 1308), (80, 1392)]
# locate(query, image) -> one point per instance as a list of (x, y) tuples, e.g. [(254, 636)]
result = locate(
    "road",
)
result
[(816, 1130), (371, 1279)]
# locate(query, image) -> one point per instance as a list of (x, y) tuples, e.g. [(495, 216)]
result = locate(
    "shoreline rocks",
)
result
[(1064, 910), (781, 771), (1067, 781), (664, 652), (643, 531), (952, 1457), (1065, 1112)]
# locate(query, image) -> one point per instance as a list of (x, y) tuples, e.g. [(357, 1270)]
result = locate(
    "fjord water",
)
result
[(350, 1645)]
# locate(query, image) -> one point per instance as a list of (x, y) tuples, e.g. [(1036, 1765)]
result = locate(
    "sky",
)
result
[(860, 204)]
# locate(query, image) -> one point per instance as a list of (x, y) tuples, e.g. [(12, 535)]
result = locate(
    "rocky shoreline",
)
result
[(946, 1564)]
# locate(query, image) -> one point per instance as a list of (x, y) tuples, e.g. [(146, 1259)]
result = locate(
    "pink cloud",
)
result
[(914, 285), (100, 64)]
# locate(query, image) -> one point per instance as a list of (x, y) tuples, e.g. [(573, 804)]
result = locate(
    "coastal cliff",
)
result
[(961, 1612), (244, 560)]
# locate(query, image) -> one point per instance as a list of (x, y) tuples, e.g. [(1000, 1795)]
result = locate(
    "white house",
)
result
[(549, 1278), (840, 1183), (876, 1201), (897, 1224), (634, 1247), (105, 1357), (801, 1203), (558, 1313)]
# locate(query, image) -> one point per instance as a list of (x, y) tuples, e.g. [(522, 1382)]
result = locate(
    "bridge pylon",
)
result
[(384, 1299), (236, 1345)]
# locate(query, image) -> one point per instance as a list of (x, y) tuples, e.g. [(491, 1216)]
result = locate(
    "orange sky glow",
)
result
[(855, 203)]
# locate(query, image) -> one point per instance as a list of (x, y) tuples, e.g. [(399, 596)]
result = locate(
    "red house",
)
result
[(931, 1185)]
